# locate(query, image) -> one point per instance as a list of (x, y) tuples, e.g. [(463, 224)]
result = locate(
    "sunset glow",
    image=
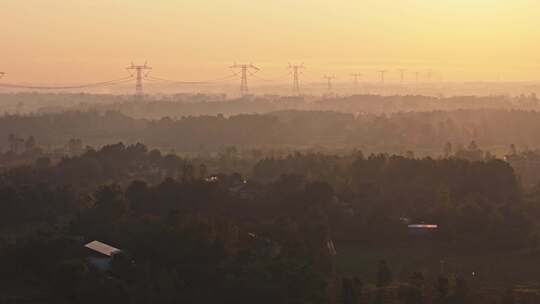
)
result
[(85, 40)]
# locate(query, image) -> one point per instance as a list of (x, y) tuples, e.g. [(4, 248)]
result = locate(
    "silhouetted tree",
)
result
[(110, 203), (138, 196), (508, 297), (384, 275)]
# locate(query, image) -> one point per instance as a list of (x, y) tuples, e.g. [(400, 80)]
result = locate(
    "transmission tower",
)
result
[(356, 78), (295, 72), (417, 76), (402, 75), (329, 82), (244, 70), (140, 74), (383, 73), (429, 74)]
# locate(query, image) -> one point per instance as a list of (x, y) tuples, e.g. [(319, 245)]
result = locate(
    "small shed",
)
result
[(100, 255)]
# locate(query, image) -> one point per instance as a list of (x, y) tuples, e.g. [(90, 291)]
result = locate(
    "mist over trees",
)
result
[(186, 104), (180, 224), (294, 201), (358, 152), (424, 132)]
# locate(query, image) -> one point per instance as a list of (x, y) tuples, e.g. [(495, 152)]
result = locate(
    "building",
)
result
[(422, 229), (100, 255)]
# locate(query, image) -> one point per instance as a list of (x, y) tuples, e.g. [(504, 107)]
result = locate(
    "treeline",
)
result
[(192, 236), (178, 105), (183, 239), (373, 104), (116, 163), (470, 201), (427, 132), (175, 247), (365, 197)]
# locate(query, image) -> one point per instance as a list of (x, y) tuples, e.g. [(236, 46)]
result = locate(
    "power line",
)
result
[(83, 86), (191, 82), (172, 81), (257, 77), (244, 69)]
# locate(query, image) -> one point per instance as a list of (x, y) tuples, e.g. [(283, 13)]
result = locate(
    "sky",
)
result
[(59, 41)]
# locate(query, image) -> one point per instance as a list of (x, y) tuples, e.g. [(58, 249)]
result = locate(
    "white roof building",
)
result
[(102, 248)]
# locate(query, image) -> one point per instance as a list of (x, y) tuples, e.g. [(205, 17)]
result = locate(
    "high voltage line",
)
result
[(138, 73), (83, 86), (141, 73), (153, 78)]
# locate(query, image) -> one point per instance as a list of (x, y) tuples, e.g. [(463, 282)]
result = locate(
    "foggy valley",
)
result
[(361, 152)]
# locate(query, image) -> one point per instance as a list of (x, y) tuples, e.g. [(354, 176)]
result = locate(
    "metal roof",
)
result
[(424, 226), (102, 248)]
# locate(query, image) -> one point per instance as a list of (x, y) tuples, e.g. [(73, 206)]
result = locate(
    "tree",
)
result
[(319, 193), (43, 162), (461, 290), (122, 266), (512, 150), (203, 171), (447, 150), (75, 146), (408, 294), (154, 156), (30, 144), (110, 203), (357, 288), (508, 297), (12, 143), (69, 275), (417, 279), (384, 275), (442, 287), (138, 196), (347, 291)]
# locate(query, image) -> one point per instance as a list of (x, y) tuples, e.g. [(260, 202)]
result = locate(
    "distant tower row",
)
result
[(140, 72)]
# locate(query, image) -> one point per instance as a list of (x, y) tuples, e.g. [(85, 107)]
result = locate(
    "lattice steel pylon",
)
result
[(140, 74), (383, 74), (329, 82), (402, 75), (296, 70), (244, 69), (356, 78)]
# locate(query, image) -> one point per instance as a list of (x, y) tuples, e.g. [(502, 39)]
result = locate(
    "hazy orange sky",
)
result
[(66, 41)]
